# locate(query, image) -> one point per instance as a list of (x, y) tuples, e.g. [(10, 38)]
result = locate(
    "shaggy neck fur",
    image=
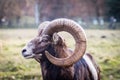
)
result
[(78, 71), (52, 72), (61, 50)]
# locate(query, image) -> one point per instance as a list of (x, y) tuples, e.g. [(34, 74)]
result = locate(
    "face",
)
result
[(36, 47)]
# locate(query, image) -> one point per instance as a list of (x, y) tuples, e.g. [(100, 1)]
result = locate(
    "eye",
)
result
[(44, 40)]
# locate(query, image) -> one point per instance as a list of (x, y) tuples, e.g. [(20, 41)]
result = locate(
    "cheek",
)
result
[(40, 48), (42, 45)]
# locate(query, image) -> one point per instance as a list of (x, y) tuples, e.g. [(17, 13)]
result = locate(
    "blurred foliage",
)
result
[(113, 8), (9, 10), (23, 13)]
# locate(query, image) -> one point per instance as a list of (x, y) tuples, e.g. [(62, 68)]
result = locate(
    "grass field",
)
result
[(104, 45)]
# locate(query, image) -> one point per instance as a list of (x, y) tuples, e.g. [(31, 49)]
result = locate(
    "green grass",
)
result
[(13, 66)]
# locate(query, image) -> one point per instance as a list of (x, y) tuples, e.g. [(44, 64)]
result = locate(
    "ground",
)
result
[(104, 45)]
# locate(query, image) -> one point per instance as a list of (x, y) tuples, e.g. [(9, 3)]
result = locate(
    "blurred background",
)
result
[(89, 13), (19, 20)]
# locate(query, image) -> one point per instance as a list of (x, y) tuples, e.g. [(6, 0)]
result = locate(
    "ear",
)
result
[(56, 38)]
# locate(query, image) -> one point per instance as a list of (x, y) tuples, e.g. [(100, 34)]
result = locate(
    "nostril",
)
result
[(24, 50)]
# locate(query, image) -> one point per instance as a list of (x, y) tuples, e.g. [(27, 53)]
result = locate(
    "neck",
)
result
[(61, 50), (48, 69)]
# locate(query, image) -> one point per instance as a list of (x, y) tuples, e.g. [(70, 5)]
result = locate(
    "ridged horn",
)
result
[(42, 26), (76, 31)]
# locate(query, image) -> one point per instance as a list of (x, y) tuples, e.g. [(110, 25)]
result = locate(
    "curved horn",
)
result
[(42, 26), (76, 31)]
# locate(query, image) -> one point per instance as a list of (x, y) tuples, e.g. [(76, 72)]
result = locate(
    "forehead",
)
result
[(39, 38), (34, 39)]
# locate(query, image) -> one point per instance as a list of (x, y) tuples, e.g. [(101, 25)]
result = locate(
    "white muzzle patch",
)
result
[(27, 51)]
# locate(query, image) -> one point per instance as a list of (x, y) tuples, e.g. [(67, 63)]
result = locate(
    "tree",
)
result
[(10, 10), (2, 2), (113, 8)]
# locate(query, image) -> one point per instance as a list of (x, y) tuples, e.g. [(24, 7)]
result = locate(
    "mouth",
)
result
[(27, 56)]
